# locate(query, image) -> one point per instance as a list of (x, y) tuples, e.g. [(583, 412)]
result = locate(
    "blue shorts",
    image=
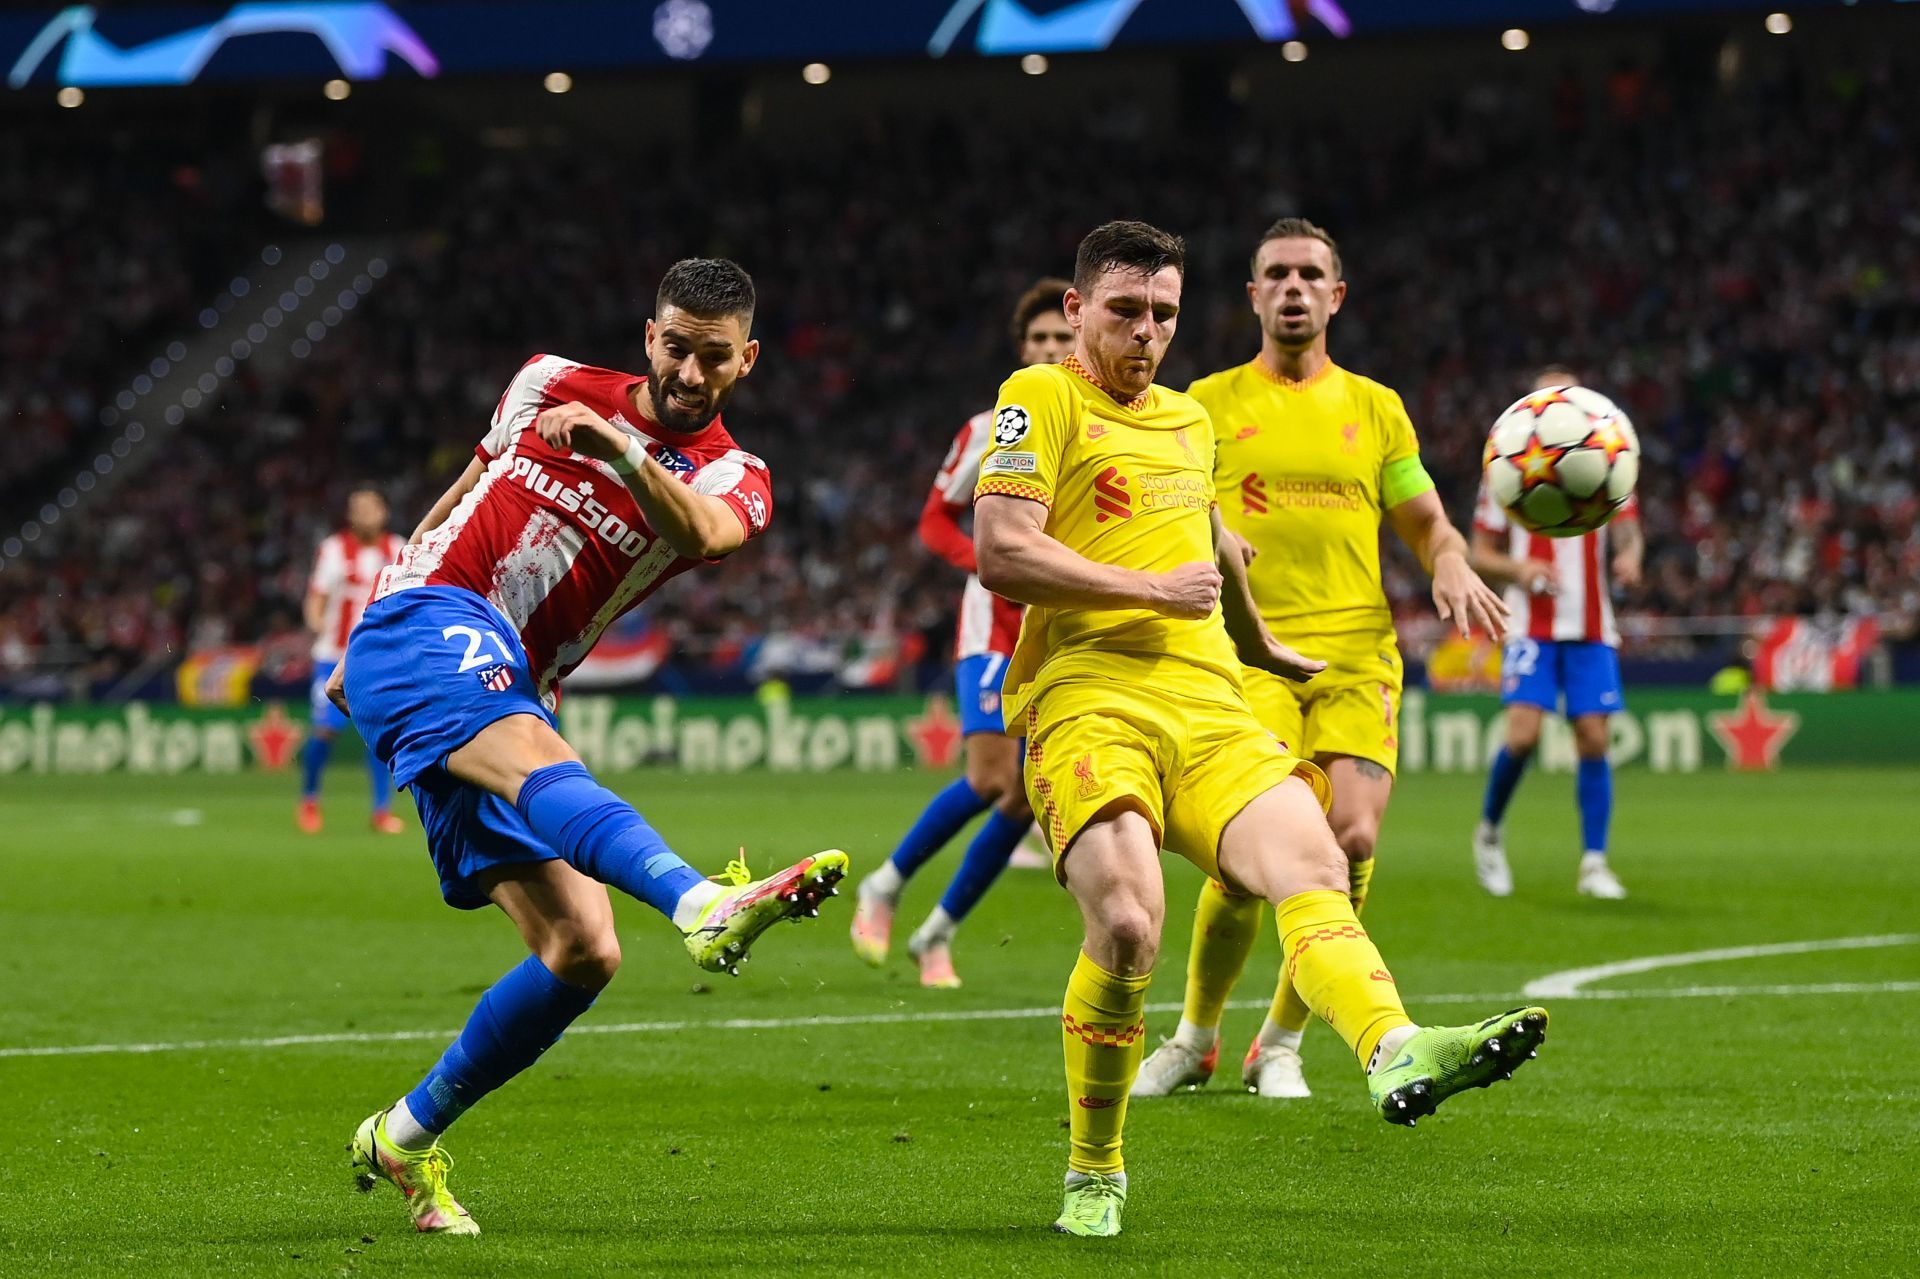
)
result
[(977, 681), (427, 669), (1542, 672), (324, 715)]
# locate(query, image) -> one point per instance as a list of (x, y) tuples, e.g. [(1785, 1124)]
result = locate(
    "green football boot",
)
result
[(420, 1175), (1439, 1061), (1093, 1206), (729, 924)]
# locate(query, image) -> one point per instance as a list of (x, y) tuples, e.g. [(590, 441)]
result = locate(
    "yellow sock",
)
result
[(1332, 962), (1224, 927), (1102, 1027), (1289, 1011)]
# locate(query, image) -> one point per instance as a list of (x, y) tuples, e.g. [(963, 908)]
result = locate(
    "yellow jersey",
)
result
[(1305, 470), (1125, 483)]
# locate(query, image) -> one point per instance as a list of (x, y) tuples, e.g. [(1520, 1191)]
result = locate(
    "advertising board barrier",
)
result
[(1667, 731)]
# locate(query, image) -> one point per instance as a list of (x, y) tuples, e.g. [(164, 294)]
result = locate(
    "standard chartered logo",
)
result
[(1316, 492)]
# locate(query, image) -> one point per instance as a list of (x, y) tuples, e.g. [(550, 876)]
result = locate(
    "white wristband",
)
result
[(632, 460)]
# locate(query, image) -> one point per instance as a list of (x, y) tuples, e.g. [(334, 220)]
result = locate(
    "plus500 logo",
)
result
[(578, 499)]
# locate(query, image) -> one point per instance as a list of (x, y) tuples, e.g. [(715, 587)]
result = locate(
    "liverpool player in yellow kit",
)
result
[(1095, 507), (1311, 459)]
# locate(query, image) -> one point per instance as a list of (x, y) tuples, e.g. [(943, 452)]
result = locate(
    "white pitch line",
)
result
[(906, 1018), (1561, 985)]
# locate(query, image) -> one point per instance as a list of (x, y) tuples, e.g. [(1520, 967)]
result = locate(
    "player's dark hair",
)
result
[(707, 287), (1043, 296), (1298, 229), (1555, 375), (1126, 246)]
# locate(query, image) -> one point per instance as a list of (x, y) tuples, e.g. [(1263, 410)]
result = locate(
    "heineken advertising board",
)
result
[(1667, 731)]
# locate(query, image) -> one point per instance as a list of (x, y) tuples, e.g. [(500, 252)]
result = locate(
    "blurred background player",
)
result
[(1563, 655), (1311, 459), (344, 570), (1097, 508), (987, 627)]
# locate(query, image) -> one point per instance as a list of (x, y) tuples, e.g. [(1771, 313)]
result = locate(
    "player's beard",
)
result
[(676, 419)]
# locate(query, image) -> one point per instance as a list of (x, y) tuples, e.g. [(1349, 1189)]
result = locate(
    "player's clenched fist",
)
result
[(1190, 591), (577, 427)]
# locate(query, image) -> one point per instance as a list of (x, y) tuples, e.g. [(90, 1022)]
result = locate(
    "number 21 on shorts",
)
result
[(476, 655)]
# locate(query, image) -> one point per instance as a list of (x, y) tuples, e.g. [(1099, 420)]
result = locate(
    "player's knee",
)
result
[(1013, 805), (586, 957), (1320, 860), (1590, 738), (995, 784), (1357, 836), (1521, 741), (1130, 932)]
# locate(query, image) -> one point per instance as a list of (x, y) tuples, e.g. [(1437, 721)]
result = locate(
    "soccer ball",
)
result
[(1562, 460)]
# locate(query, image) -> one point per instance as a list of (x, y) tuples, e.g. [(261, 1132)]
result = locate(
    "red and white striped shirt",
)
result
[(1581, 607), (555, 540), (988, 623), (344, 571)]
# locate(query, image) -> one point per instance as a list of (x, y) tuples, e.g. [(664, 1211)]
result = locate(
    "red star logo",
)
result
[(1591, 512), (1751, 734), (273, 736), (1536, 463), (1540, 401), (1607, 439), (935, 734)]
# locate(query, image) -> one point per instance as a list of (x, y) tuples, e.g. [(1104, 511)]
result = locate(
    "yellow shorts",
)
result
[(1351, 708), (1188, 763)]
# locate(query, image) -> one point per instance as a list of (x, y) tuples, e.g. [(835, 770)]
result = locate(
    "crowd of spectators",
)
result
[(1737, 266)]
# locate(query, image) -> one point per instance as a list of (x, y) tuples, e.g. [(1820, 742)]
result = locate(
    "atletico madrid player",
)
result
[(988, 626), (591, 488), (344, 570), (1560, 655)]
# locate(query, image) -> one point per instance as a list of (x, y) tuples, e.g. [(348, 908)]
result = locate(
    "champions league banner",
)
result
[(99, 46)]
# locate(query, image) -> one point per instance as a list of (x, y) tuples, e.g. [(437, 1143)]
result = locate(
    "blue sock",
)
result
[(599, 834), (382, 782), (519, 1018), (1502, 778), (986, 857), (1593, 784), (955, 806), (313, 759)]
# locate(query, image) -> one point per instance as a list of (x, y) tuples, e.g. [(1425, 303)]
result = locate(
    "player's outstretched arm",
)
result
[(1255, 644), (697, 526), (1459, 596), (1018, 560)]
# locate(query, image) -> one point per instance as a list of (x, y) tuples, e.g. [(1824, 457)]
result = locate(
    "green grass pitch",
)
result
[(1755, 1130)]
